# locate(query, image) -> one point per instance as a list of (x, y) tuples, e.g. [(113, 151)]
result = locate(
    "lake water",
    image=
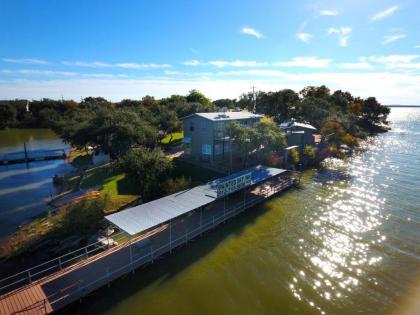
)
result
[(347, 242), (25, 188)]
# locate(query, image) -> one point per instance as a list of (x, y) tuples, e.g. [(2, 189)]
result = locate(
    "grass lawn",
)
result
[(119, 186), (176, 138), (197, 174)]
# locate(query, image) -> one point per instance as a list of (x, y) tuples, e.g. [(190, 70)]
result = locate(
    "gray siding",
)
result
[(200, 131), (204, 131)]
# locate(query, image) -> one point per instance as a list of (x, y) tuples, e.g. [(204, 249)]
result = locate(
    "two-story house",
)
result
[(206, 135)]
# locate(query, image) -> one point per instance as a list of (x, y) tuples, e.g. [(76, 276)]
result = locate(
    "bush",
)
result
[(294, 157), (350, 140), (309, 153), (173, 185), (84, 217)]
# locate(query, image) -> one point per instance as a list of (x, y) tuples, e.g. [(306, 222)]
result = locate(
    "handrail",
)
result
[(29, 273), (204, 226)]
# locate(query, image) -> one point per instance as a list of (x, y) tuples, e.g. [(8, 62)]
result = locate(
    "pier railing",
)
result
[(80, 287), (56, 264)]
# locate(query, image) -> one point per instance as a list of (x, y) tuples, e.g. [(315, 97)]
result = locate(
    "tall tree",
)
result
[(148, 166), (7, 115)]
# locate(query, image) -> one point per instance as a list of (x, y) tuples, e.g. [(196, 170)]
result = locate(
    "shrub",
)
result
[(309, 153), (173, 185)]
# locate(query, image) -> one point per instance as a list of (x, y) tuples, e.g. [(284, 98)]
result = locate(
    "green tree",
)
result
[(259, 141), (374, 114), (148, 167), (280, 105), (7, 115), (197, 97), (115, 131), (168, 123)]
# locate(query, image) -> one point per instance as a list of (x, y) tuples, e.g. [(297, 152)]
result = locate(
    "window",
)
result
[(203, 125), (206, 149), (218, 149), (192, 126), (218, 130)]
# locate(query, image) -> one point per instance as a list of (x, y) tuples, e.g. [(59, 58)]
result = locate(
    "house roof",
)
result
[(221, 116), (293, 123), (156, 212)]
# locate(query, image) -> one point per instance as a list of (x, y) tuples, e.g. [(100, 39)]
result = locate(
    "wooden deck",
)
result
[(61, 288), (52, 292)]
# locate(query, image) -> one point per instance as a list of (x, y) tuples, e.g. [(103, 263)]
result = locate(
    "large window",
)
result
[(206, 149), (218, 149), (218, 130)]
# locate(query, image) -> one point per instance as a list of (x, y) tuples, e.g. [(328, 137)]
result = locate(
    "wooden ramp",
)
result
[(31, 300), (68, 285)]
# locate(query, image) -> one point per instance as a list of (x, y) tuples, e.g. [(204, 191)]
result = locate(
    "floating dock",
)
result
[(32, 156), (147, 232)]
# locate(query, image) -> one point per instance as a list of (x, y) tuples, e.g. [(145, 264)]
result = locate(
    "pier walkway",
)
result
[(60, 288)]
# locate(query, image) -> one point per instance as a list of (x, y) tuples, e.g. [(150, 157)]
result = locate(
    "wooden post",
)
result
[(224, 209), (29, 276), (201, 221), (59, 263), (131, 255), (26, 152), (151, 253), (170, 237)]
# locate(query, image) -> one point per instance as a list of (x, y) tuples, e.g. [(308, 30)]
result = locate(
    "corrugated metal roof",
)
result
[(221, 116), (156, 212)]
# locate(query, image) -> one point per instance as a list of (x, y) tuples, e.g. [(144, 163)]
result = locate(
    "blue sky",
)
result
[(127, 49)]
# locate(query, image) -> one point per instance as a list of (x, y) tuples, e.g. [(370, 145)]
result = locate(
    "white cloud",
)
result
[(385, 13), (58, 74), (391, 38), (356, 65), (328, 12), (27, 61), (100, 64), (194, 51), (343, 34), (407, 62), (142, 65), (389, 88), (305, 62), (251, 31), (192, 63), (390, 59), (417, 46), (308, 62), (224, 63), (236, 63), (304, 37), (94, 64)]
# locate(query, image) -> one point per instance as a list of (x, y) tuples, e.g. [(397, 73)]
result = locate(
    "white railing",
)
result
[(56, 264), (79, 288)]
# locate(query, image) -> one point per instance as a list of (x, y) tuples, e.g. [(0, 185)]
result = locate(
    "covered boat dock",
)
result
[(152, 229)]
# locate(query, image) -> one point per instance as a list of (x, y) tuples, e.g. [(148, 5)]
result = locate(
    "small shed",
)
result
[(299, 134)]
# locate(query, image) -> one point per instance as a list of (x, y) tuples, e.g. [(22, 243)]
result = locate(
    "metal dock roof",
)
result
[(159, 211)]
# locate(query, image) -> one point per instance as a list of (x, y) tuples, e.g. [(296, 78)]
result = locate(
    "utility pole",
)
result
[(254, 100)]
